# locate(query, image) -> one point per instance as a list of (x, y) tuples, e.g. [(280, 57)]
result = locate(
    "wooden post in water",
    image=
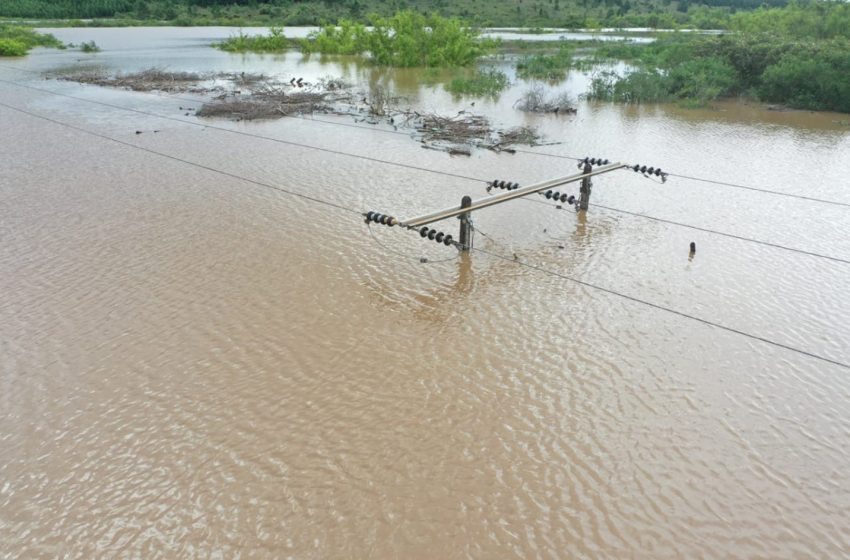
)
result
[(465, 225), (584, 200)]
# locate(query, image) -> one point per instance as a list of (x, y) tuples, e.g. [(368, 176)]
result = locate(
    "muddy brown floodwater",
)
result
[(196, 366)]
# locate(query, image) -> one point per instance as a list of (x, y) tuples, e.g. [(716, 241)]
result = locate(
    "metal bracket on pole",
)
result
[(498, 199)]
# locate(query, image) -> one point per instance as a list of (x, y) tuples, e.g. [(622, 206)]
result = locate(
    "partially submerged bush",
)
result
[(808, 74), (12, 47), (407, 39), (275, 41), (536, 100), (89, 47), (481, 83), (17, 41)]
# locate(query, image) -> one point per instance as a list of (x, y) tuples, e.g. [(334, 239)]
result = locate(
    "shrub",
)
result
[(820, 81), (89, 47), (275, 41), (12, 47), (406, 39)]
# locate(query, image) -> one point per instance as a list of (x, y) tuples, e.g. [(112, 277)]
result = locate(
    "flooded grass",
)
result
[(481, 83)]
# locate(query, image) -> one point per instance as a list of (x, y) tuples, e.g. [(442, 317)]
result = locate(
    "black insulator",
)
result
[(515, 186), (636, 167), (439, 237), (385, 219), (377, 217), (571, 199), (564, 197), (369, 215), (556, 195), (447, 240), (495, 183), (643, 169), (502, 184), (592, 161), (424, 231), (651, 170), (549, 194), (606, 162), (658, 172), (432, 234)]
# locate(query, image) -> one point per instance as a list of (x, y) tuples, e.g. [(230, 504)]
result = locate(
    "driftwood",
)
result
[(535, 100)]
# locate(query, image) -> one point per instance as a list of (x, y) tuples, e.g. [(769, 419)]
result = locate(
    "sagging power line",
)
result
[(464, 242), (635, 167), (387, 131)]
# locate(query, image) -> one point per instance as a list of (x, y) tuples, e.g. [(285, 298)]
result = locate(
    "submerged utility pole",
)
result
[(584, 190), (465, 225)]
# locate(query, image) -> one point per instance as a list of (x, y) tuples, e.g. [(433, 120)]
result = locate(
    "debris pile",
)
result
[(244, 96), (266, 103)]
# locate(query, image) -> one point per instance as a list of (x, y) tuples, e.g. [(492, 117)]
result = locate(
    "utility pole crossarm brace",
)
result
[(504, 197)]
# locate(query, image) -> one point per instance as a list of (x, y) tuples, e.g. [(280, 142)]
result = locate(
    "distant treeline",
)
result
[(550, 13)]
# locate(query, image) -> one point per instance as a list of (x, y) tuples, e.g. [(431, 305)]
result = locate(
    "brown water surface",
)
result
[(194, 366)]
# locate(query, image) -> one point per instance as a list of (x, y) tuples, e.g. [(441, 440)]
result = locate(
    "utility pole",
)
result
[(465, 225), (584, 201)]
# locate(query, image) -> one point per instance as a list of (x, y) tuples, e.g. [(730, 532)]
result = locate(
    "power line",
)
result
[(517, 150), (243, 133), (662, 308), (708, 230), (714, 182), (429, 170), (181, 160), (492, 254)]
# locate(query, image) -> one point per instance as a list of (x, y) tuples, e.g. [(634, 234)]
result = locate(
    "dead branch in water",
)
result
[(535, 100)]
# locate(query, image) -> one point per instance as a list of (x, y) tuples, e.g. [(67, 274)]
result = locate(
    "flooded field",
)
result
[(194, 364)]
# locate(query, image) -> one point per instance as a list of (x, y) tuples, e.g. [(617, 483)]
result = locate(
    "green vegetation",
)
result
[(406, 39), (800, 20), (89, 47), (799, 56), (481, 83), (275, 41), (17, 41), (533, 14), (11, 47), (551, 67)]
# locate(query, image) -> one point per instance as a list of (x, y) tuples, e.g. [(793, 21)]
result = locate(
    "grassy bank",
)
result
[(17, 41)]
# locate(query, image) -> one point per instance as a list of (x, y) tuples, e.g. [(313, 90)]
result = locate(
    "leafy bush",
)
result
[(481, 83), (346, 38), (805, 81), (12, 47), (275, 41), (698, 81), (406, 39), (17, 41)]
